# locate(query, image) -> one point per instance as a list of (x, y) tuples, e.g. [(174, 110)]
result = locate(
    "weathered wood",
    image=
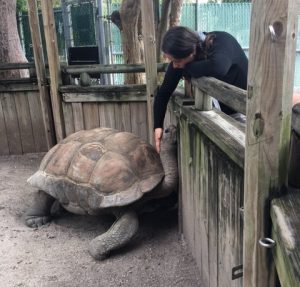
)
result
[(68, 118), (90, 116), (37, 123), (24, 120), (107, 115), (4, 149), (122, 117), (203, 101), (137, 89), (12, 125), (78, 116), (139, 119), (54, 67), (230, 188), (270, 88), (220, 129), (16, 66), (211, 195), (40, 70), (17, 81), (286, 229), (106, 96), (76, 70), (148, 31), (19, 87), (230, 95)]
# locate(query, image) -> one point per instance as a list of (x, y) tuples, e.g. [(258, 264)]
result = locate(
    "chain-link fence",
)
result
[(77, 26)]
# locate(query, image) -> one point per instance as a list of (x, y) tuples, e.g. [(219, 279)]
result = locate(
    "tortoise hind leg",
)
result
[(39, 213), (119, 234)]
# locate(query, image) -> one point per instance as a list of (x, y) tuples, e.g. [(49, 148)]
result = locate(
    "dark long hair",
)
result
[(181, 41)]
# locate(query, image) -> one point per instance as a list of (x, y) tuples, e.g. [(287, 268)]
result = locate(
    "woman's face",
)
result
[(180, 63)]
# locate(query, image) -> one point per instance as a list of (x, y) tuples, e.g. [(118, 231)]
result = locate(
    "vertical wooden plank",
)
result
[(123, 116), (11, 123), (210, 164), (4, 150), (197, 196), (24, 119), (54, 67), (78, 117), (138, 113), (148, 31), (126, 117), (90, 115), (203, 101), (41, 71), (271, 73), (107, 115), (68, 118), (37, 122), (205, 195)]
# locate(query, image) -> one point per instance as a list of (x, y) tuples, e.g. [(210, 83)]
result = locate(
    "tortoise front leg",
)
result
[(119, 234), (39, 213)]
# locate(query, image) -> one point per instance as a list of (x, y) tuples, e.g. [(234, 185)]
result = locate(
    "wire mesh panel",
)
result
[(83, 24), (230, 17)]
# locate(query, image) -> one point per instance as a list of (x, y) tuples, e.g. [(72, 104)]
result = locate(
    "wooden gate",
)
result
[(22, 128)]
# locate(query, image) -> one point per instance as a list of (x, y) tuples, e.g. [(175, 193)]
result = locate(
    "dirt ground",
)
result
[(56, 254)]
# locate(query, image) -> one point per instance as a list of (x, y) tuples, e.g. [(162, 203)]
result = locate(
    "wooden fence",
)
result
[(211, 157), (22, 127)]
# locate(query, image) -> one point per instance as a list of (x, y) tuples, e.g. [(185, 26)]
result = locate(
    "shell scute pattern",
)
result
[(99, 168)]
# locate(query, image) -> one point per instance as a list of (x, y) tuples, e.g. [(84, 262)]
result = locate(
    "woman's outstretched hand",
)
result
[(158, 132)]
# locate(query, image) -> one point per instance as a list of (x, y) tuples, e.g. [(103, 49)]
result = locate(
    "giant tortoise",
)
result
[(104, 171)]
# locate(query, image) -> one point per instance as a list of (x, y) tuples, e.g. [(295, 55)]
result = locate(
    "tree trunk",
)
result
[(175, 14), (130, 12), (162, 26), (10, 45)]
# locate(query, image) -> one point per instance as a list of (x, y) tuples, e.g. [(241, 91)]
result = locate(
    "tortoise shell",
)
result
[(99, 168)]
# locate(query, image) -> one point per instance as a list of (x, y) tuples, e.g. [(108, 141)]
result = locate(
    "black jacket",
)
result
[(226, 61)]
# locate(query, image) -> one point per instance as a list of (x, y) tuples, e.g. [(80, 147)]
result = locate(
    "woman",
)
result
[(194, 54)]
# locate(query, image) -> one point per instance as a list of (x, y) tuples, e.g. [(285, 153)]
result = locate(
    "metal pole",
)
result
[(101, 42)]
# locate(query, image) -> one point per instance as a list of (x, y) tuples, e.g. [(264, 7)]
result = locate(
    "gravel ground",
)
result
[(56, 254)]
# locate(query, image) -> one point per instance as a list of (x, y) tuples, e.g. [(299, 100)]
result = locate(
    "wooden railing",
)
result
[(211, 157), (212, 154)]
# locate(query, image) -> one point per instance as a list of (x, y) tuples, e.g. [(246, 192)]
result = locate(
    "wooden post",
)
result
[(150, 59), (54, 67), (40, 71), (270, 88)]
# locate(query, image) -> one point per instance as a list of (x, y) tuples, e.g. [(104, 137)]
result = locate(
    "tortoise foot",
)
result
[(36, 221), (39, 213), (120, 233)]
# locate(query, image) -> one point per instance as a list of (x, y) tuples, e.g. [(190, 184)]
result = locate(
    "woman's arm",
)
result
[(217, 66), (168, 86)]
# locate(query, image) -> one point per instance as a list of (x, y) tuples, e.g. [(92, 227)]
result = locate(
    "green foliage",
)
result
[(21, 5)]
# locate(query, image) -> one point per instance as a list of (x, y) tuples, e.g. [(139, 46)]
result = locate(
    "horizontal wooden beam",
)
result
[(227, 94), (222, 130), (104, 97), (105, 93), (19, 87), (109, 69), (18, 81), (14, 66)]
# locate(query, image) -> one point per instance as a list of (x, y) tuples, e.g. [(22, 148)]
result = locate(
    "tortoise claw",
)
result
[(36, 221)]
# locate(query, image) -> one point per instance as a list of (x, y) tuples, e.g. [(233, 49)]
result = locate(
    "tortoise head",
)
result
[(169, 139)]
